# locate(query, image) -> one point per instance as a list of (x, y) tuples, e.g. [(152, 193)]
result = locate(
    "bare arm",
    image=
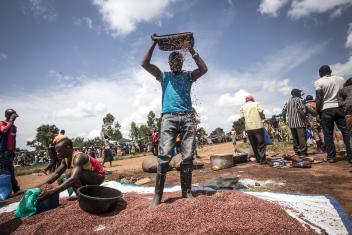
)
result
[(80, 161), (341, 97), (5, 126), (202, 67), (319, 100), (151, 68), (58, 172)]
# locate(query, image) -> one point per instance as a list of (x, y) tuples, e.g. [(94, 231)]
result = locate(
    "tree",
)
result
[(110, 129), (78, 142), (94, 142), (144, 131), (44, 132), (151, 120), (239, 125), (134, 132), (218, 132)]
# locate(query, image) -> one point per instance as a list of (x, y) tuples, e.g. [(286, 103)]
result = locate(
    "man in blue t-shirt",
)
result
[(177, 116)]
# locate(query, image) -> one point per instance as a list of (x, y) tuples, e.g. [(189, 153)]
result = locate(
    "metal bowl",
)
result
[(221, 161), (98, 199)]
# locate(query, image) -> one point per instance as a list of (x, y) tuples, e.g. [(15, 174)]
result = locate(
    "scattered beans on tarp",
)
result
[(223, 212)]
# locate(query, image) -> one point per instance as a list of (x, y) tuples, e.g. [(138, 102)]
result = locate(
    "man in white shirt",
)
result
[(253, 114), (327, 89)]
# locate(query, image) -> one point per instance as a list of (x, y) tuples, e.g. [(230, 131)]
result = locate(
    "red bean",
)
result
[(225, 212)]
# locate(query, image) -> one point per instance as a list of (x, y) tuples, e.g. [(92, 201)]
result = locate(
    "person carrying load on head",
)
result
[(177, 116)]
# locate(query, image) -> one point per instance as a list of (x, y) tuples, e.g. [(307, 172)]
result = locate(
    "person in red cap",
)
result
[(253, 115)]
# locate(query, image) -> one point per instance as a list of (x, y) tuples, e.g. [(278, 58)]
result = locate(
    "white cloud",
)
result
[(93, 133), (271, 7), (81, 110), (43, 9), (66, 80), (130, 94), (302, 8), (349, 37), (122, 16), (343, 69), (228, 100), (3, 56), (83, 21), (282, 86)]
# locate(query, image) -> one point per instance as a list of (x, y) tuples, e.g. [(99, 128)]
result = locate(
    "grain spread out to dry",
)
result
[(223, 212)]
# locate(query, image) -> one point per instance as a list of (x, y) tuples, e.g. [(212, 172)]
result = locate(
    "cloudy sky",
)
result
[(70, 62)]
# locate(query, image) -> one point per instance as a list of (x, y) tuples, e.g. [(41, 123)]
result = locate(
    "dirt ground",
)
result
[(322, 178)]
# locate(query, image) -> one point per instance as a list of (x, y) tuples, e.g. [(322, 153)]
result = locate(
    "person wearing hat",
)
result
[(253, 115), (80, 169), (327, 89), (296, 118), (8, 133), (313, 124)]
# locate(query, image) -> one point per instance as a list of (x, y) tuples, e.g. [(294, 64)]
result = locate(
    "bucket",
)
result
[(177, 41), (5, 185)]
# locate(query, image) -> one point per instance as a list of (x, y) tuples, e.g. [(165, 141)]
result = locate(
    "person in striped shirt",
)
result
[(296, 117)]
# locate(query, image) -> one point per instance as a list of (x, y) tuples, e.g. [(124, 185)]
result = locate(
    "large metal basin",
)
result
[(221, 161), (98, 199)]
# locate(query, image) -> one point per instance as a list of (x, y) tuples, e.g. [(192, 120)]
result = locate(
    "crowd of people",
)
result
[(321, 119), (76, 167)]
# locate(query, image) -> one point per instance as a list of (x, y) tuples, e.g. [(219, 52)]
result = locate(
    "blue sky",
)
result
[(70, 62)]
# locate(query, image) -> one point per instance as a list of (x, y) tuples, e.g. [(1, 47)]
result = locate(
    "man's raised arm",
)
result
[(202, 67), (151, 68)]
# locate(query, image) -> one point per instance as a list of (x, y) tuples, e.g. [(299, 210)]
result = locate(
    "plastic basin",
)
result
[(5, 185), (98, 199)]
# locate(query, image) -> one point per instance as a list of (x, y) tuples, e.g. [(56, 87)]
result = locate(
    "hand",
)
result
[(190, 46), (45, 195), (153, 38), (318, 119), (13, 117)]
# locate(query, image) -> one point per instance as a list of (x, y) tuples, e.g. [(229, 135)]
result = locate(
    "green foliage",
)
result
[(110, 129), (239, 125), (44, 132), (151, 120), (218, 132), (78, 142), (93, 142), (134, 131)]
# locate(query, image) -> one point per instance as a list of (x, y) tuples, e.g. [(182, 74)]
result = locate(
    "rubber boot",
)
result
[(186, 180), (159, 189)]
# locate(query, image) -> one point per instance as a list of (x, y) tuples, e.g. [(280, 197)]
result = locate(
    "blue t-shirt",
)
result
[(176, 92)]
